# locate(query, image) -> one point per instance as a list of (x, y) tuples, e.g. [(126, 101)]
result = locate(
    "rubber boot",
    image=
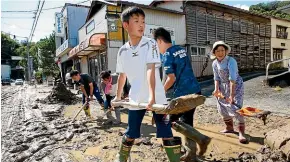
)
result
[(87, 111), (191, 133), (118, 116), (110, 119), (242, 137), (173, 149), (109, 116), (124, 151), (190, 154), (229, 126)]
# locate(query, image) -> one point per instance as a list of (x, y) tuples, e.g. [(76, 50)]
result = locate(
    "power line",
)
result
[(23, 28), (36, 21), (17, 17), (45, 9)]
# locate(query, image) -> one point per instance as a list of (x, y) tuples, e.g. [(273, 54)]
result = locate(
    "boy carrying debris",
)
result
[(180, 76), (139, 60)]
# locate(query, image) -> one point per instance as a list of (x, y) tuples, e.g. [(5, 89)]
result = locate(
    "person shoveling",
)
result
[(88, 87), (108, 87), (248, 111)]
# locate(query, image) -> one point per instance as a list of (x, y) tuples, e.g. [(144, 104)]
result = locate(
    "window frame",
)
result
[(87, 32), (198, 50)]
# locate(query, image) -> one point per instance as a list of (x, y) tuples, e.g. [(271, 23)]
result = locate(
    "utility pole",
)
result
[(28, 63)]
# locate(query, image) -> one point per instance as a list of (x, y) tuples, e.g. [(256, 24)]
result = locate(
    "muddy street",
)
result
[(33, 130)]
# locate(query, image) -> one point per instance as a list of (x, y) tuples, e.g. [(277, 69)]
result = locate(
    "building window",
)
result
[(61, 40), (281, 32), (257, 29), (283, 44), (277, 54), (66, 33), (197, 51), (90, 27), (236, 25)]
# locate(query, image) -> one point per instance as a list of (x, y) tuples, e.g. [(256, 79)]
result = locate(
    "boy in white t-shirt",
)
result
[(139, 60)]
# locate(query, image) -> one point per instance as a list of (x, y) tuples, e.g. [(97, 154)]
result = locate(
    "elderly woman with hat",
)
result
[(229, 84)]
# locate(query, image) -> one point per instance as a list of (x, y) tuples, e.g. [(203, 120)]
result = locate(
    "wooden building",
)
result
[(248, 34)]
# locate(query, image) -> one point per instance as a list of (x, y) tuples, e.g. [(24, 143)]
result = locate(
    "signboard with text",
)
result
[(59, 24), (61, 48), (149, 29)]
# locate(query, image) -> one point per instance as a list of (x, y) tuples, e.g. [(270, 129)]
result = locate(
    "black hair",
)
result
[(74, 73), (129, 12), (226, 48), (105, 74), (163, 34)]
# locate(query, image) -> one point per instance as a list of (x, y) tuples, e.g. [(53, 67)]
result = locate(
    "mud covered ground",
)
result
[(36, 131)]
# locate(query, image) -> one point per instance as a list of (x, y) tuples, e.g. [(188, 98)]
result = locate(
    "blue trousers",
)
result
[(97, 94)]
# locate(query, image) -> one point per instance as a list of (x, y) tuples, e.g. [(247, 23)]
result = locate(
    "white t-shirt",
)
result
[(133, 62)]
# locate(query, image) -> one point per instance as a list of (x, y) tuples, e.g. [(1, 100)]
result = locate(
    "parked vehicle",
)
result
[(19, 82), (6, 81)]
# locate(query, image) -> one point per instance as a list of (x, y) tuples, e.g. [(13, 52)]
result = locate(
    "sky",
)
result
[(20, 24)]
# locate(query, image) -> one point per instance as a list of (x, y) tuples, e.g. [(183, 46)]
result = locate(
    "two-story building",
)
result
[(67, 24), (248, 34), (280, 40), (102, 35)]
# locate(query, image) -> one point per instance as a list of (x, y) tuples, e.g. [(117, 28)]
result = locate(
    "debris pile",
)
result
[(59, 93)]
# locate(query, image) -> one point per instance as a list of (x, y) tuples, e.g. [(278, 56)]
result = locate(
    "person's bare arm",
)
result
[(152, 83), (120, 85), (91, 89), (84, 91), (169, 81)]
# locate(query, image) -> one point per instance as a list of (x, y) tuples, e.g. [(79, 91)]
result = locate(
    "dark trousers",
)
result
[(107, 103), (97, 94)]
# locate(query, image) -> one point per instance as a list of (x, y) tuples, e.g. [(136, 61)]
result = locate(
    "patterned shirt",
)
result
[(176, 61)]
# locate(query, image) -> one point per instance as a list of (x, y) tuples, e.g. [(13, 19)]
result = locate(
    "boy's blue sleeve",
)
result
[(233, 69), (168, 63)]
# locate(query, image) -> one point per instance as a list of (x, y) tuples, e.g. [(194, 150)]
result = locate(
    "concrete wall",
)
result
[(84, 65), (157, 18), (166, 19), (100, 25), (112, 54), (276, 42)]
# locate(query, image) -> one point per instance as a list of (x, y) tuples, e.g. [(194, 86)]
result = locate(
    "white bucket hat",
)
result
[(212, 56)]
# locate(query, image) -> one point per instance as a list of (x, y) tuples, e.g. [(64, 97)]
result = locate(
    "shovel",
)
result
[(175, 106), (248, 111), (86, 104)]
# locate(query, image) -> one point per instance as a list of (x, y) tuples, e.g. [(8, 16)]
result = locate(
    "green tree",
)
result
[(270, 9), (46, 56), (22, 51), (8, 48)]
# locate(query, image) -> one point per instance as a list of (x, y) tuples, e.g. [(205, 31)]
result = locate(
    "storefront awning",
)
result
[(95, 42)]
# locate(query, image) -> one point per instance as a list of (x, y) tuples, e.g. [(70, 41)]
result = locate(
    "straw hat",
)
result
[(218, 43)]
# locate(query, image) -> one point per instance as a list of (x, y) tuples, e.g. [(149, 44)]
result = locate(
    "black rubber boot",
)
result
[(190, 154), (191, 133)]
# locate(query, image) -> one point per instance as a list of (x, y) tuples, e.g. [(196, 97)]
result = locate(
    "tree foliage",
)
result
[(22, 51), (8, 48), (46, 57), (270, 9)]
